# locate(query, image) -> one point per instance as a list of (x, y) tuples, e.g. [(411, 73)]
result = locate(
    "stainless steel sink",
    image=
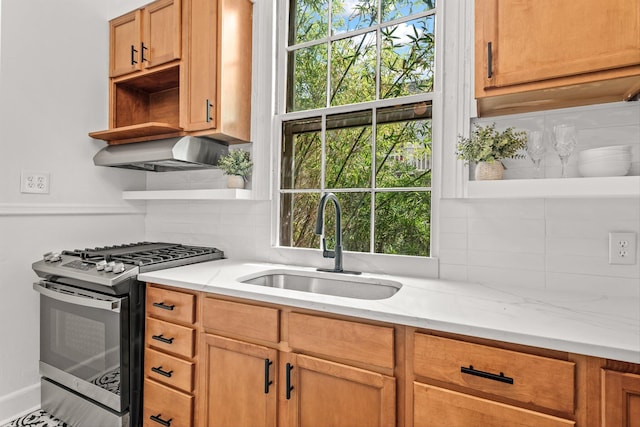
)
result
[(326, 283)]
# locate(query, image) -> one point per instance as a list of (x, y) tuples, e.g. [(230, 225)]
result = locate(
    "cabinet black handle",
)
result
[(267, 381), (163, 306), (143, 48), (209, 105), (487, 375), (288, 380), (159, 370), (156, 418), (133, 55), (162, 339), (489, 61)]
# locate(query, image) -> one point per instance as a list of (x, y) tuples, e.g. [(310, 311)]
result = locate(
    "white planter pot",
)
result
[(489, 171), (235, 181)]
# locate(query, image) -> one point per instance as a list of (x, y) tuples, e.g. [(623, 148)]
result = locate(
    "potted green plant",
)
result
[(487, 147), (237, 166)]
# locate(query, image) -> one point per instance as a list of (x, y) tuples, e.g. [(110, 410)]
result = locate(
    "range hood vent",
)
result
[(164, 155)]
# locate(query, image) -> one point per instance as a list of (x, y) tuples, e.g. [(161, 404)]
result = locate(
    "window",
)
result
[(357, 122)]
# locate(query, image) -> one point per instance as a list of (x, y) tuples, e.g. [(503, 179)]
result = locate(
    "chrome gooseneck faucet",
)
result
[(336, 253)]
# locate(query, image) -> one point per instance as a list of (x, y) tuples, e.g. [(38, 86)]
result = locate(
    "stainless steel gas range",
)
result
[(92, 328)]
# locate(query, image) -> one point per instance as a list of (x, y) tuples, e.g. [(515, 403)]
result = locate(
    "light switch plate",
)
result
[(622, 248)]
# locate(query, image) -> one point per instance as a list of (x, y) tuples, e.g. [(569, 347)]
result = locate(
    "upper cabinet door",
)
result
[(146, 37), (124, 44), (534, 40), (162, 33)]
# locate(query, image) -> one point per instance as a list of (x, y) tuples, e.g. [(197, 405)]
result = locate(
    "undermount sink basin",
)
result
[(336, 284)]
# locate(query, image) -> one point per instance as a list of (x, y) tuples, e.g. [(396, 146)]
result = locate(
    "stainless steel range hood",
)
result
[(164, 155)]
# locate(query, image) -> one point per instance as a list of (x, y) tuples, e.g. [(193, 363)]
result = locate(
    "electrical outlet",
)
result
[(622, 248), (34, 182)]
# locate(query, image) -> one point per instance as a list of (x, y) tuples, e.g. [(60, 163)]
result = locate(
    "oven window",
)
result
[(84, 342)]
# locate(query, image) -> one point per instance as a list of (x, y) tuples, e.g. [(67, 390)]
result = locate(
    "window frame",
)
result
[(280, 115)]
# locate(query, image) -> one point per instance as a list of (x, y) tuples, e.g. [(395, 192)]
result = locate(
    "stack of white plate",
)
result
[(605, 161)]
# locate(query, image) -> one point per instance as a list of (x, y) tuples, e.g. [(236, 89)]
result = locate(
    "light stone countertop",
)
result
[(589, 324)]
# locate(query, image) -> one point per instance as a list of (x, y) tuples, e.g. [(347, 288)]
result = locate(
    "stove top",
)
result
[(111, 265)]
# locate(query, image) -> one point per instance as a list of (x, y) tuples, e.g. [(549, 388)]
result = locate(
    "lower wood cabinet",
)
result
[(621, 399), (435, 406), (240, 385), (243, 363), (320, 393), (170, 358)]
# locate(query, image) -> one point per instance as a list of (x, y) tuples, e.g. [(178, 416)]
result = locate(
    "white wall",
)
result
[(53, 91)]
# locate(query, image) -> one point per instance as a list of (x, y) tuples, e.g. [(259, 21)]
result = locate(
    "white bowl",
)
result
[(612, 168), (605, 159), (606, 150)]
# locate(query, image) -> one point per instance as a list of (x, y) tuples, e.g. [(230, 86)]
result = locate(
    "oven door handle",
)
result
[(112, 306)]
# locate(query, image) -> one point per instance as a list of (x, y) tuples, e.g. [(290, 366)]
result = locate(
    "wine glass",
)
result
[(564, 141), (536, 148)]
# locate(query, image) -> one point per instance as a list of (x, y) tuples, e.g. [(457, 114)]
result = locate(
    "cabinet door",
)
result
[(621, 399), (240, 383), (125, 34), (524, 41), (162, 33), (435, 407), (319, 393), (201, 64)]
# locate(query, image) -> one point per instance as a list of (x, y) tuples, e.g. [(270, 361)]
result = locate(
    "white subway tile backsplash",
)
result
[(577, 282), (559, 244), (507, 277), (507, 243), (594, 265)]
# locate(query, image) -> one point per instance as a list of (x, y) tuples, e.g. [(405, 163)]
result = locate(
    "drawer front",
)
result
[(434, 406), (348, 340), (240, 319), (174, 306), (542, 381), (166, 336), (162, 403), (168, 369)]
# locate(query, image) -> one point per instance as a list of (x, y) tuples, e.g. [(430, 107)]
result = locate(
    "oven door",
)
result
[(84, 342)]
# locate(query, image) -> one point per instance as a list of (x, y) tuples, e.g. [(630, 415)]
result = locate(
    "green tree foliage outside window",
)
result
[(377, 158)]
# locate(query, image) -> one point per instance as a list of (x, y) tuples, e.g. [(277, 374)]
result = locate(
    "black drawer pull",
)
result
[(486, 375), (159, 370), (163, 306), (133, 55), (165, 423), (267, 381), (489, 61), (288, 385), (162, 339)]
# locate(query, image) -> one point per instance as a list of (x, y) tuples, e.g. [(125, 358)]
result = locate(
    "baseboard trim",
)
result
[(19, 403)]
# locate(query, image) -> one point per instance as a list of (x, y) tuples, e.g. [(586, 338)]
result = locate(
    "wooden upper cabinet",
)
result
[(145, 38), (589, 48), (124, 41), (218, 69)]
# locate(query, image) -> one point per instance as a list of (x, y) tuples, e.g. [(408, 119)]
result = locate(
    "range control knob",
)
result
[(55, 257), (118, 267), (100, 265), (109, 267)]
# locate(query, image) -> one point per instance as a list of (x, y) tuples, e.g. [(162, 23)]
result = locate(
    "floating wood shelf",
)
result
[(135, 132)]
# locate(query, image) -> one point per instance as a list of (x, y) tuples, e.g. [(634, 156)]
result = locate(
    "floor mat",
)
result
[(37, 418)]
